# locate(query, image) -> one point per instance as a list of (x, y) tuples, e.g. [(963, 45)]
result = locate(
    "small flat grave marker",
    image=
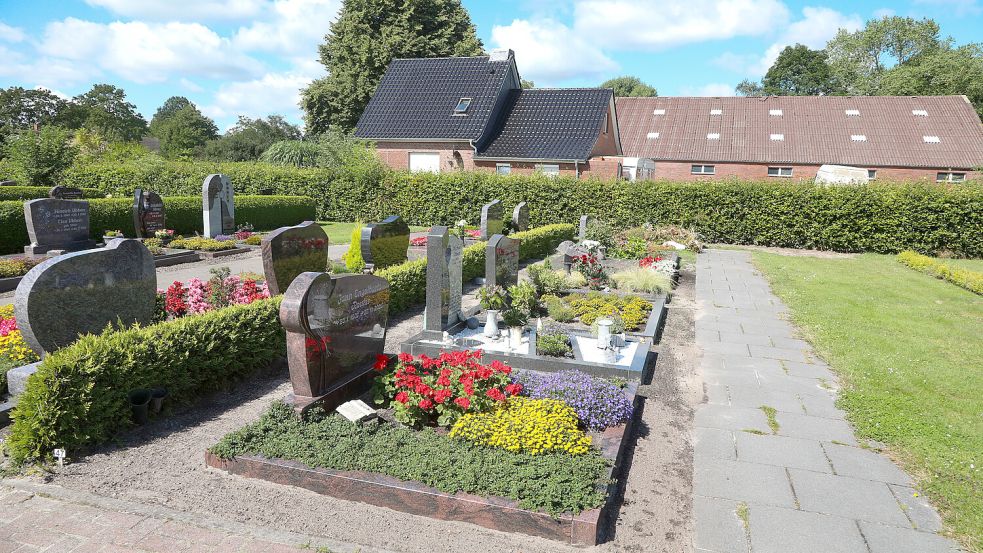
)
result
[(54, 224), (502, 261), (492, 222), (520, 217), (355, 410), (444, 279), (218, 206), (290, 251), (384, 244)]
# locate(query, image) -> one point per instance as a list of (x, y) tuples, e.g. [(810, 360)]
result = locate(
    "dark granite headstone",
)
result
[(218, 206), (502, 261), (290, 251), (583, 227), (8, 183), (492, 219), (82, 292), (57, 225), (265, 191), (384, 244), (66, 193), (444, 279), (336, 326), (520, 217), (148, 213)]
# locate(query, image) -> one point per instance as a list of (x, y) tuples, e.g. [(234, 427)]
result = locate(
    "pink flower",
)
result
[(197, 296)]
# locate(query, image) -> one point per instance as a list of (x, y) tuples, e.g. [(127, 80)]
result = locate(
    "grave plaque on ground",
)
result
[(218, 206), (336, 329), (582, 235), (492, 221), (66, 193), (82, 292), (520, 217), (444, 279), (502, 261), (290, 251), (384, 244), (148, 213), (57, 225)]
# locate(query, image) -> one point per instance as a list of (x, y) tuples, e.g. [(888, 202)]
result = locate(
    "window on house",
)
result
[(462, 106), (713, 136), (779, 171), (503, 168), (775, 112), (931, 139), (950, 177), (605, 124), (702, 170), (871, 174), (549, 170)]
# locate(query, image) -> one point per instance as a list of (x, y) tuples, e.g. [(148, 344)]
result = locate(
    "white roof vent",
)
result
[(931, 139), (652, 135), (777, 137), (776, 112), (499, 54), (858, 137), (716, 111), (713, 136), (919, 113), (659, 112), (852, 112)]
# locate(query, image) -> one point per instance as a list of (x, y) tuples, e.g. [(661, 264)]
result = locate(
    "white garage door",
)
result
[(424, 161)]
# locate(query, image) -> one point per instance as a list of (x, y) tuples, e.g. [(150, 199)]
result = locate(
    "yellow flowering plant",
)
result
[(523, 425), (14, 351)]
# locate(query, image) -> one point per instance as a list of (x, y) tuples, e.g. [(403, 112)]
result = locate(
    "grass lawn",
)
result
[(341, 233), (909, 351), (968, 264)]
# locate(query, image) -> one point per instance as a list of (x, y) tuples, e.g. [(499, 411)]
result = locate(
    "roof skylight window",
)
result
[(852, 112), (777, 137), (776, 112), (652, 135), (716, 111), (659, 112), (931, 139), (919, 113), (462, 106), (713, 136), (858, 137)]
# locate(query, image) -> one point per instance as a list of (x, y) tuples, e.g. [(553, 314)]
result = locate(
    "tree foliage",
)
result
[(799, 71), (629, 86), (21, 108), (181, 128), (747, 87), (365, 37), (942, 71), (39, 158), (104, 109), (249, 138)]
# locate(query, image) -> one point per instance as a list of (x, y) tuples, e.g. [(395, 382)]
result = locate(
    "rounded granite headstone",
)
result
[(492, 219), (290, 251), (384, 244)]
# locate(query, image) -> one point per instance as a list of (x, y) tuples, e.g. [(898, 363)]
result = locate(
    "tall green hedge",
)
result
[(79, 394), (184, 215), (879, 217), (34, 192)]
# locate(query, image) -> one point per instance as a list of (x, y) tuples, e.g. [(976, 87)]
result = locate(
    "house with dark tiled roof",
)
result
[(885, 137), (445, 114)]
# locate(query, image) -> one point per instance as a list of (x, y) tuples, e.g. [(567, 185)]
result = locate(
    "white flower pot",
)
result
[(515, 337), (491, 324)]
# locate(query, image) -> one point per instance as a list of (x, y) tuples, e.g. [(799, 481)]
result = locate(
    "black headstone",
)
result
[(66, 193), (384, 244), (57, 225), (8, 183), (148, 213), (218, 206), (520, 217), (492, 219), (290, 251), (502, 261), (444, 279)]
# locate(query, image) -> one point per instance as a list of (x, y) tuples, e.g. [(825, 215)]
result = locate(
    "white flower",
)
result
[(462, 223)]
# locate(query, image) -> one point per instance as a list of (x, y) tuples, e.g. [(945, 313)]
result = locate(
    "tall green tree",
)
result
[(249, 138), (40, 158), (104, 109), (747, 87), (170, 106), (184, 131), (799, 71), (941, 71), (365, 37), (22, 108), (629, 86)]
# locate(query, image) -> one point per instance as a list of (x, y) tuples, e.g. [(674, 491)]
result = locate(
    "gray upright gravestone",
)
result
[(336, 329), (66, 193), (492, 219), (148, 213), (502, 261), (444, 279), (384, 244), (57, 225), (290, 251), (218, 206), (520, 217), (82, 292), (583, 227)]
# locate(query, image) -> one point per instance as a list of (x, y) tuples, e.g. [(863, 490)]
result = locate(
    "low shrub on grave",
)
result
[(964, 278), (640, 279), (554, 483), (78, 396), (24, 193), (523, 425), (632, 310), (200, 243), (17, 267), (353, 259), (599, 403), (14, 351), (554, 344)]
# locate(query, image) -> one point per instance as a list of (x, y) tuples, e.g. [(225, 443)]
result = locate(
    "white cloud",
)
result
[(11, 34), (190, 85), (291, 26), (548, 51), (147, 52), (712, 89), (657, 24), (273, 93), (182, 10)]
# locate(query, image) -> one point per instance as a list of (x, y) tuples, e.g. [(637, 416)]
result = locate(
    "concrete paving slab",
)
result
[(714, 443), (888, 539), (923, 516), (775, 380), (781, 451), (745, 396), (730, 378), (847, 497), (748, 482), (718, 528), (742, 338), (775, 530), (821, 406), (726, 348), (730, 418), (815, 428), (772, 352), (809, 370), (862, 463)]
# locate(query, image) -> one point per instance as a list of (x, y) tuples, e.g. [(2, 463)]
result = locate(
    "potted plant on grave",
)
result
[(492, 300), (111, 235), (164, 235)]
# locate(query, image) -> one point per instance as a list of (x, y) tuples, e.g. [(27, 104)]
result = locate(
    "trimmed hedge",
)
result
[(879, 217), (24, 193), (79, 394), (183, 215), (964, 278)]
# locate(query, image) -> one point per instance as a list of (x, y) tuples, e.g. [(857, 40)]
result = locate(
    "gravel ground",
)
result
[(163, 464)]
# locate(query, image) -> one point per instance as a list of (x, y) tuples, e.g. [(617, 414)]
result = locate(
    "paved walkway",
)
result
[(777, 468)]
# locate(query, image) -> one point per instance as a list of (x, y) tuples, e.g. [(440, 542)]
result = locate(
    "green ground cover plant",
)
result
[(550, 482), (945, 270), (200, 243), (908, 350)]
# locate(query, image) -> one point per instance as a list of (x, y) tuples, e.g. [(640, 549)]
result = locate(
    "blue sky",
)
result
[(250, 57)]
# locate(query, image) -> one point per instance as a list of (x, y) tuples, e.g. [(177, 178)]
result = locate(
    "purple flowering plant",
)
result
[(599, 403)]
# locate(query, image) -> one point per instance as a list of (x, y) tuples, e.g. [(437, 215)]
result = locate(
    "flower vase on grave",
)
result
[(491, 324), (604, 333), (515, 337)]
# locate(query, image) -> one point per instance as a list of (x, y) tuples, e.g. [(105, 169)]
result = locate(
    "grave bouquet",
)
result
[(590, 266)]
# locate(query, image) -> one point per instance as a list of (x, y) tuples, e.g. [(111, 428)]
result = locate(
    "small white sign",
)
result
[(60, 455), (355, 410)]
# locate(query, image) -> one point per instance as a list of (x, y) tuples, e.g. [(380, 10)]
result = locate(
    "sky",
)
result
[(251, 57)]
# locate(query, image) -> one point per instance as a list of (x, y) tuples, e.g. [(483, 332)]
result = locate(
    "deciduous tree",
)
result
[(629, 86)]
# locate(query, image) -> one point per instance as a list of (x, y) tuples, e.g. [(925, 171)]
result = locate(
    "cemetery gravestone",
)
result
[(218, 206), (583, 227), (520, 217), (148, 213), (66, 193), (492, 222), (8, 183), (502, 261), (57, 225), (82, 292), (336, 329), (384, 244), (444, 279), (290, 251)]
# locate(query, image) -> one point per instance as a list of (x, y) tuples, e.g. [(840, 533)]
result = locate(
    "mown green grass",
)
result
[(969, 264), (341, 233), (909, 351)]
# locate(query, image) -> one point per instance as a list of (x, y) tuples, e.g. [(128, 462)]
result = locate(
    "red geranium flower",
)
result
[(402, 397), (463, 402), (405, 358), (495, 394), (381, 362), (513, 389), (425, 404)]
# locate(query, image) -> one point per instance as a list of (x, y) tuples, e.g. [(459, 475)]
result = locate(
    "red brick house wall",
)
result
[(397, 154)]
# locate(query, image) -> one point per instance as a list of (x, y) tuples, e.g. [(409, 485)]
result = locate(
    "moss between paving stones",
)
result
[(552, 483)]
